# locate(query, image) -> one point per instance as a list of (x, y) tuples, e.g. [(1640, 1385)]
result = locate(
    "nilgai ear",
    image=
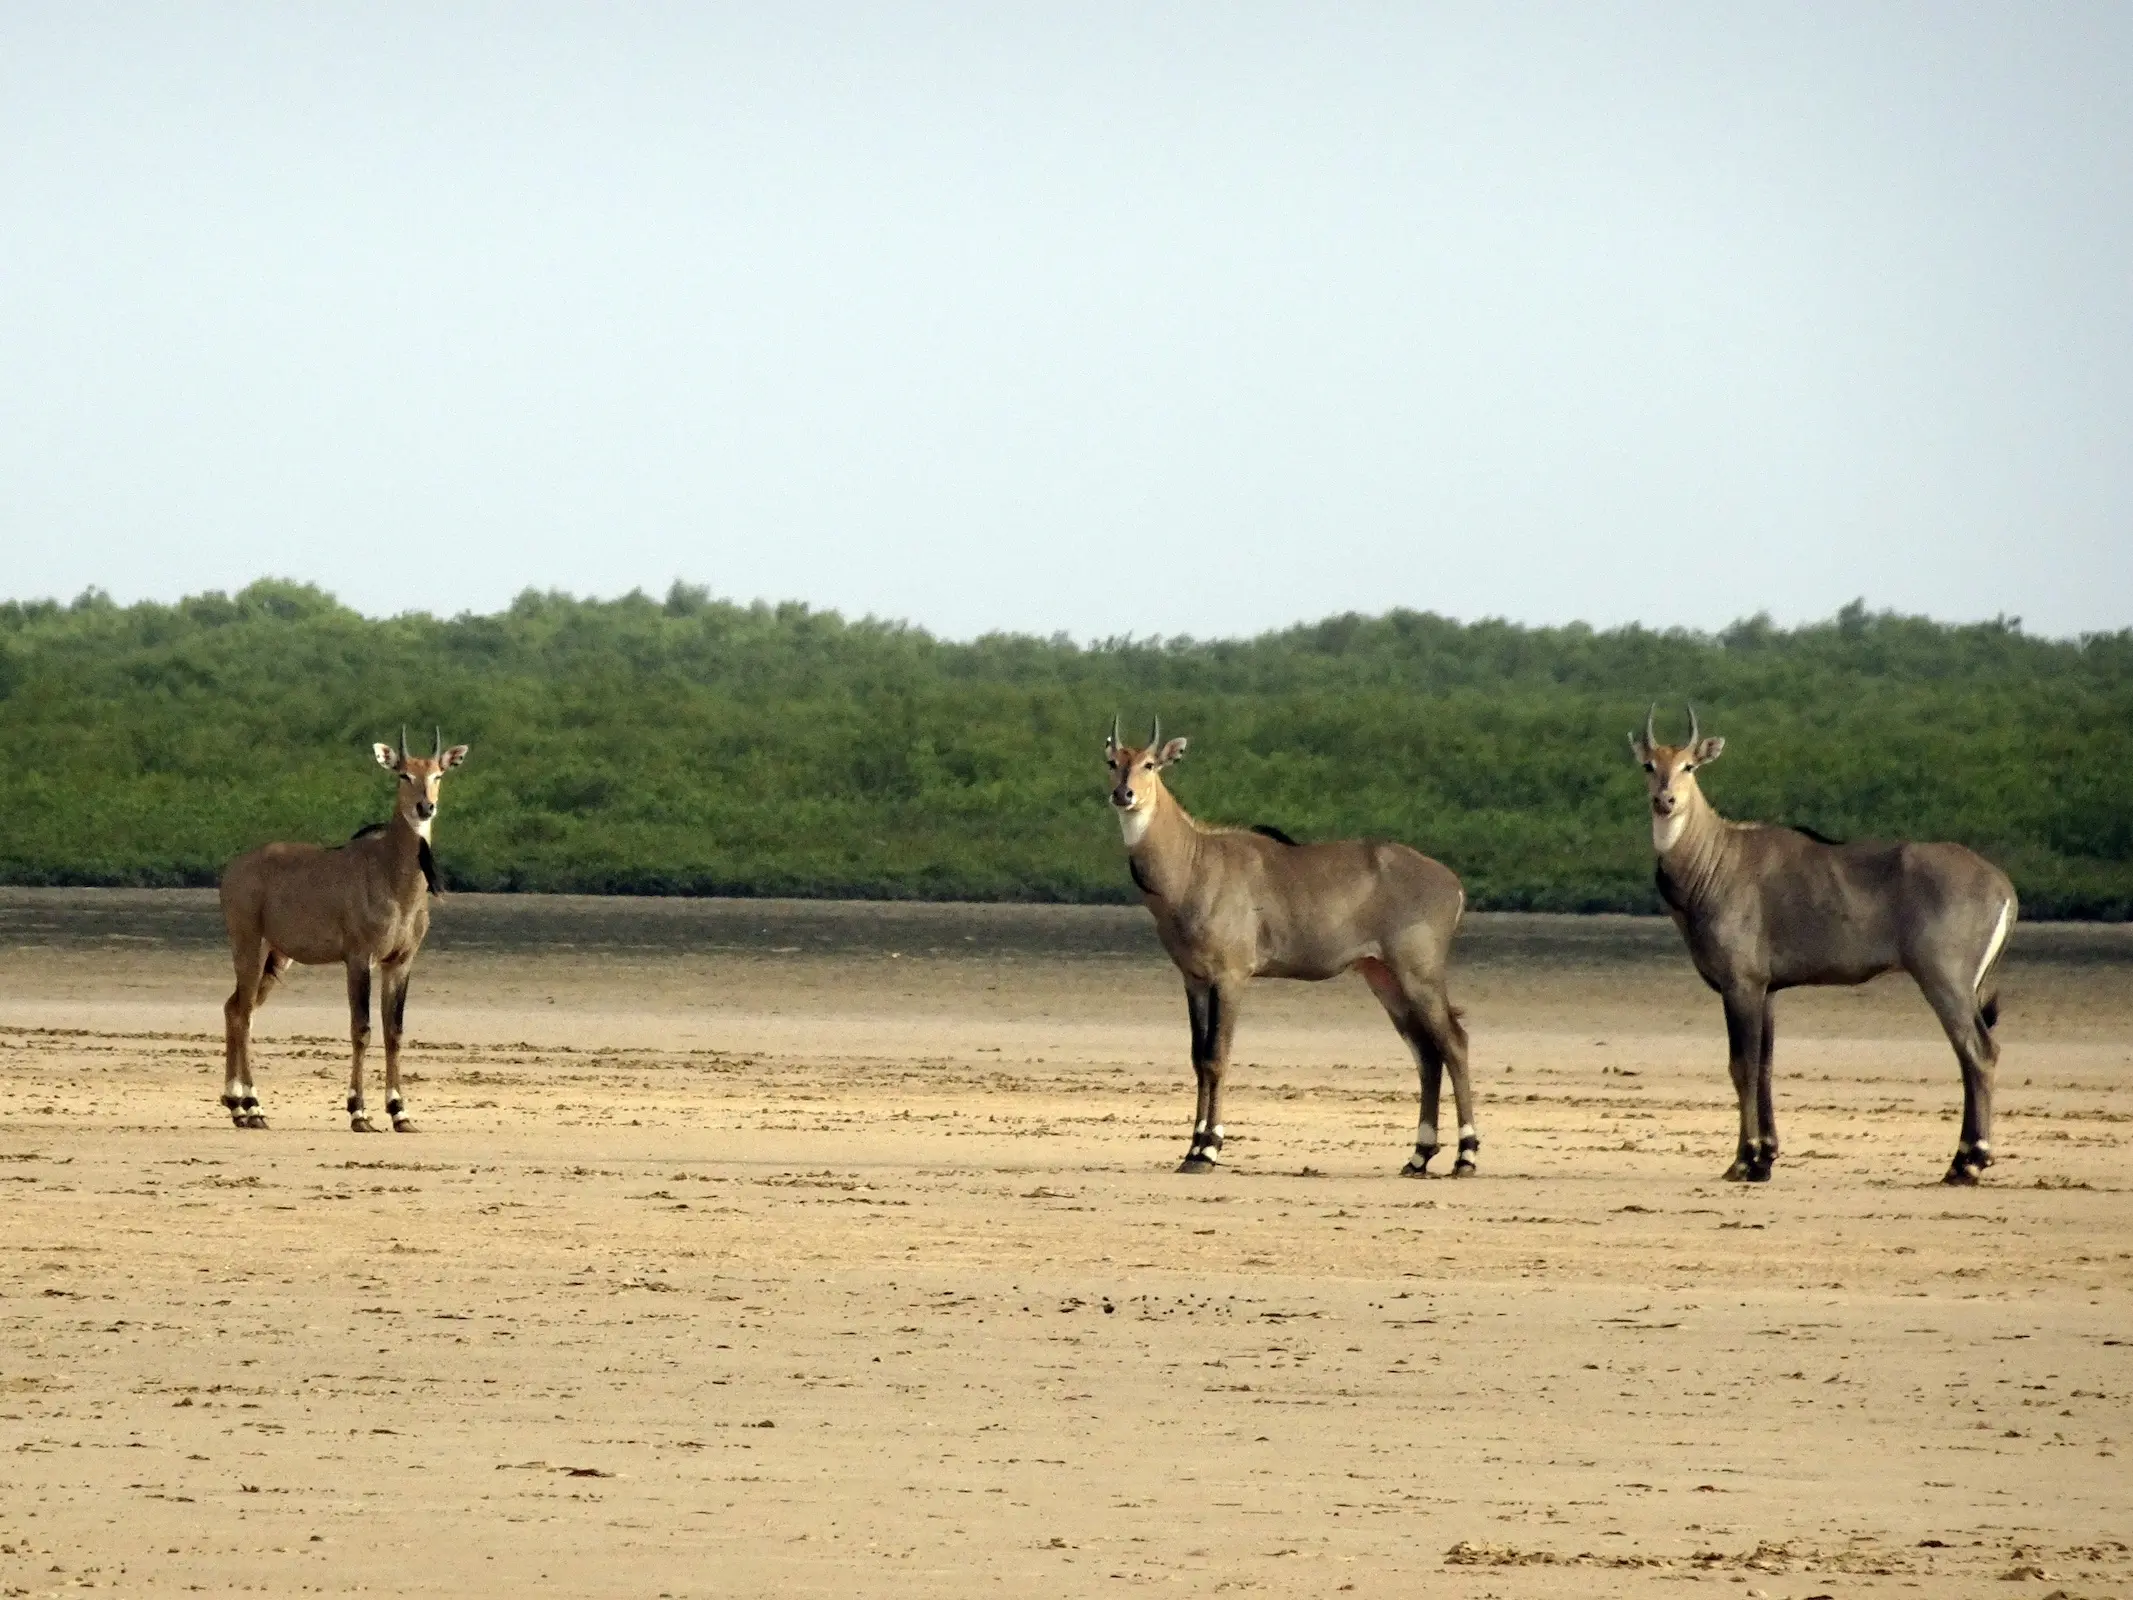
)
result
[(452, 757), (388, 757), (1708, 750), (1173, 751)]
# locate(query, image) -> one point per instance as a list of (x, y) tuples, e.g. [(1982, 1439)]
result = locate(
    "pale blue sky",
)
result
[(1096, 318)]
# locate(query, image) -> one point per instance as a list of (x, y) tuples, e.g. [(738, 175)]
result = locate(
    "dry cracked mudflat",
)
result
[(791, 1250)]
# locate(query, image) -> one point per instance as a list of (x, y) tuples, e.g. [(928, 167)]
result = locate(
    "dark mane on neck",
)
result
[(1814, 834), (424, 857), (1269, 831)]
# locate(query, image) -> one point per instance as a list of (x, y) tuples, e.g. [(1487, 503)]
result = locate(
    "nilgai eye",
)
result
[(1648, 767)]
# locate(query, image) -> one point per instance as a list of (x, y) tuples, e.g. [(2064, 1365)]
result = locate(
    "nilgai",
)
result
[(1769, 908), (363, 904), (1231, 905)]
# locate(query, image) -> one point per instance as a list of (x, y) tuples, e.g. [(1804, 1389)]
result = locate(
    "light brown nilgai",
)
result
[(1769, 908), (365, 904), (1233, 904)]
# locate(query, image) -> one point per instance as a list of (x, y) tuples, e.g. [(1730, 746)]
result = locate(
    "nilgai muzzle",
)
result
[(1231, 905), (1768, 908), (364, 904)]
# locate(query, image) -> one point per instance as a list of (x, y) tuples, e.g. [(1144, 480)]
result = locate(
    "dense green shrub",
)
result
[(693, 746)]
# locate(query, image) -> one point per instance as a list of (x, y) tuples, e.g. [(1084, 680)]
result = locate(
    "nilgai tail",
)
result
[(365, 905), (1769, 908), (1233, 904)]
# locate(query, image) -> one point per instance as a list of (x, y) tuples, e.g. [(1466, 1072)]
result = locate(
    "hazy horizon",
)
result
[(1113, 320)]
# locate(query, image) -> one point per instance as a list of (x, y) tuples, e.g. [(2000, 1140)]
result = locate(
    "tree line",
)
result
[(687, 745)]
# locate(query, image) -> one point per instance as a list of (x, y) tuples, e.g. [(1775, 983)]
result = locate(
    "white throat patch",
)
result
[(422, 828), (1666, 830), (1133, 824)]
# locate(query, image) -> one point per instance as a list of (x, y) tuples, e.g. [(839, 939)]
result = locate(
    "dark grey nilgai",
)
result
[(1232, 904), (365, 904), (1768, 908)]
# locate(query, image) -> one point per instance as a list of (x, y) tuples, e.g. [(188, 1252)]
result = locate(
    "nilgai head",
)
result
[(1670, 770), (1135, 783), (419, 777)]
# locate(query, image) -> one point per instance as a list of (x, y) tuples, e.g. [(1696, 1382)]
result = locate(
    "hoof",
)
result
[(1464, 1169), (253, 1119), (1737, 1173), (361, 1125), (1760, 1174), (1961, 1175), (1416, 1169), (404, 1125), (1199, 1163)]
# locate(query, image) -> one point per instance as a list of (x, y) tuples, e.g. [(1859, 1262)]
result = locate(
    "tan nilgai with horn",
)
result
[(365, 904), (1231, 905), (1769, 908)]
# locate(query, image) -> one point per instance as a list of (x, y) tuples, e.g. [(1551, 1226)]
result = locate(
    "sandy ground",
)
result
[(785, 1250)]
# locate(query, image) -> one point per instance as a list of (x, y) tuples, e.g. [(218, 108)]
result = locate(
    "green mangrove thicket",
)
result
[(690, 746)]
